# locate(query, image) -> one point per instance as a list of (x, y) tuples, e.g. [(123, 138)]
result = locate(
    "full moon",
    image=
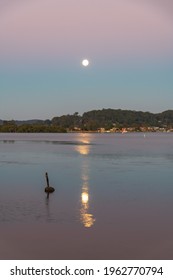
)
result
[(85, 62)]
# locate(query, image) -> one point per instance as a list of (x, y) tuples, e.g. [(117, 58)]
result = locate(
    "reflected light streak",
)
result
[(85, 198), (82, 149), (87, 219)]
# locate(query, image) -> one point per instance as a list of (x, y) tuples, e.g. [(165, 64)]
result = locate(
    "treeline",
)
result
[(109, 118), (92, 121), (11, 126)]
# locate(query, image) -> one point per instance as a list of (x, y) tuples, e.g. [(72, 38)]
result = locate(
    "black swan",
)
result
[(48, 189)]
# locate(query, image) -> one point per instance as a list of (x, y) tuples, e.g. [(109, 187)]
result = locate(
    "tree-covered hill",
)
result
[(92, 121), (108, 118)]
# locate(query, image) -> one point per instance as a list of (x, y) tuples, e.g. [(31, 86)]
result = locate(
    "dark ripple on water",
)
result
[(25, 211), (55, 142)]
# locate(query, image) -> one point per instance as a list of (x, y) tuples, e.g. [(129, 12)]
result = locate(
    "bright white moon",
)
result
[(85, 62)]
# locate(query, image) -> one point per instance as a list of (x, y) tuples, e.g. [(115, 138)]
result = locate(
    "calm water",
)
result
[(113, 198)]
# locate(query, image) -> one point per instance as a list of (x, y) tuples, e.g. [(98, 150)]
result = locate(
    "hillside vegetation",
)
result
[(92, 121)]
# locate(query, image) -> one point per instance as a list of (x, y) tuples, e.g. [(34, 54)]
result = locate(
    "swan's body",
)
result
[(48, 189)]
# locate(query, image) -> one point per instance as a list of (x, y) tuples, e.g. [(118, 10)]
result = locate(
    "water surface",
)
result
[(113, 197)]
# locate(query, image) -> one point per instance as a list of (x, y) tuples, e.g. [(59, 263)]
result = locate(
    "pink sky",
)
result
[(129, 44), (103, 28)]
